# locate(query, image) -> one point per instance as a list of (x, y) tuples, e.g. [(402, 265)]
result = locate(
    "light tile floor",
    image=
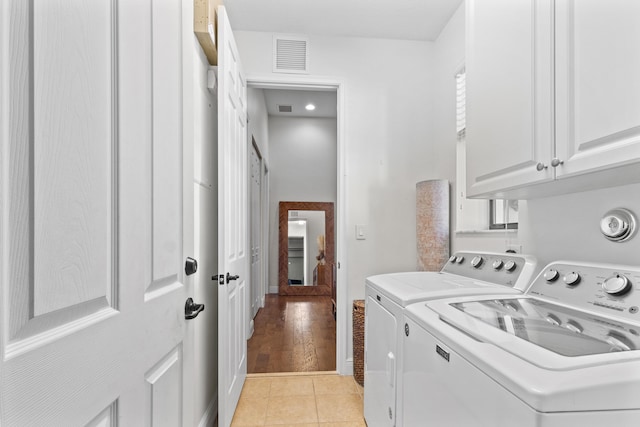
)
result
[(300, 400)]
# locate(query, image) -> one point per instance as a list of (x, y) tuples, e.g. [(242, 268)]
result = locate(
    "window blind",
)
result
[(461, 103)]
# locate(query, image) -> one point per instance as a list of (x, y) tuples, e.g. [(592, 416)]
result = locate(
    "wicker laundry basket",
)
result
[(358, 341)]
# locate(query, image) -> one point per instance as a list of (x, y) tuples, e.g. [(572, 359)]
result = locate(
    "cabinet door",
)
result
[(598, 86), (95, 216), (509, 94)]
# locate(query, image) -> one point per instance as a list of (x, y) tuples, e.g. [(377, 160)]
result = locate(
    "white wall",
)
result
[(303, 159), (303, 168), (258, 120), (387, 133), (568, 227), (449, 57)]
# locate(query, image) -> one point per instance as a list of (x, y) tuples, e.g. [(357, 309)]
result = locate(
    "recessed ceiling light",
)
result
[(310, 107)]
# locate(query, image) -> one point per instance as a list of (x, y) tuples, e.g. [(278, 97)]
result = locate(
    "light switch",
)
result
[(361, 233)]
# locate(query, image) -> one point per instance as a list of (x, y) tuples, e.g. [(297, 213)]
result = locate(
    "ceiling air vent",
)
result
[(284, 108), (290, 54)]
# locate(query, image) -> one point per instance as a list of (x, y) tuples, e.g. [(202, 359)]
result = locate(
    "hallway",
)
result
[(293, 334)]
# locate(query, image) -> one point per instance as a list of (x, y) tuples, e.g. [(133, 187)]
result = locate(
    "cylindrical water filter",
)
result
[(432, 224)]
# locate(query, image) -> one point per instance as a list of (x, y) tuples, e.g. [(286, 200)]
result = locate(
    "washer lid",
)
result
[(410, 287), (556, 328)]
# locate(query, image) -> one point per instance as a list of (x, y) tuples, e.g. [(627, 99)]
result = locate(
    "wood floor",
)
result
[(293, 334)]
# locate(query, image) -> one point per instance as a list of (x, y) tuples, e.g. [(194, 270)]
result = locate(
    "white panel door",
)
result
[(597, 85), (92, 213), (255, 210), (233, 298)]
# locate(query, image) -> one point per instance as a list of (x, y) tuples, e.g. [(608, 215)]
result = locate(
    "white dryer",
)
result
[(386, 295), (564, 354)]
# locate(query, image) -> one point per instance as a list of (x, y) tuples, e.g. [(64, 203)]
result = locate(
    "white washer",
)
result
[(466, 273), (564, 354)]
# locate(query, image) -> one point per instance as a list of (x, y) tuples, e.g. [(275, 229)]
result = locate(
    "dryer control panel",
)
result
[(512, 270), (604, 288)]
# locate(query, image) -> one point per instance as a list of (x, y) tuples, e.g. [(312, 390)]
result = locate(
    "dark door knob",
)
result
[(230, 277), (190, 266), (191, 309)]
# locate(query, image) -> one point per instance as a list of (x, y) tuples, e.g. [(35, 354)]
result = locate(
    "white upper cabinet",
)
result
[(509, 94), (597, 85), (553, 96)]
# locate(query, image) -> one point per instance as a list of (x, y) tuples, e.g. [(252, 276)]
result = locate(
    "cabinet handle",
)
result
[(540, 167), (556, 162)]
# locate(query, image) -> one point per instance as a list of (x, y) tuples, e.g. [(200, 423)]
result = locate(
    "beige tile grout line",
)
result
[(315, 399), (292, 374)]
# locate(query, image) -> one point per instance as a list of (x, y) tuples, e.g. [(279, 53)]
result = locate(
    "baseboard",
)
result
[(210, 414), (273, 289), (348, 367)]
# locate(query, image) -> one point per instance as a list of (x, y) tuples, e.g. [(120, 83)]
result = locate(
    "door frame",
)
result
[(344, 366), (265, 228), (252, 145)]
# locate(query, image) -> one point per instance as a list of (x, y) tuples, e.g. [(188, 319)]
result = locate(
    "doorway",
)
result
[(291, 179)]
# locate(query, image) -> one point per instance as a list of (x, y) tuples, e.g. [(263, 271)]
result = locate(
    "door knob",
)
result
[(218, 278), (190, 266), (191, 309), (555, 162), (230, 277)]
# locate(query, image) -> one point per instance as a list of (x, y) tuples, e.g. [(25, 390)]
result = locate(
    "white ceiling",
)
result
[(396, 19), (325, 102)]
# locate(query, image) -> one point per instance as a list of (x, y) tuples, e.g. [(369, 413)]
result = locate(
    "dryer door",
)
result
[(380, 365)]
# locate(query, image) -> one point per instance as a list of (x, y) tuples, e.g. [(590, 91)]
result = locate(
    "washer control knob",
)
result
[(510, 265), (574, 326), (477, 261), (452, 258), (553, 319), (571, 279), (619, 342), (616, 285), (551, 275), (497, 264), (460, 259)]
